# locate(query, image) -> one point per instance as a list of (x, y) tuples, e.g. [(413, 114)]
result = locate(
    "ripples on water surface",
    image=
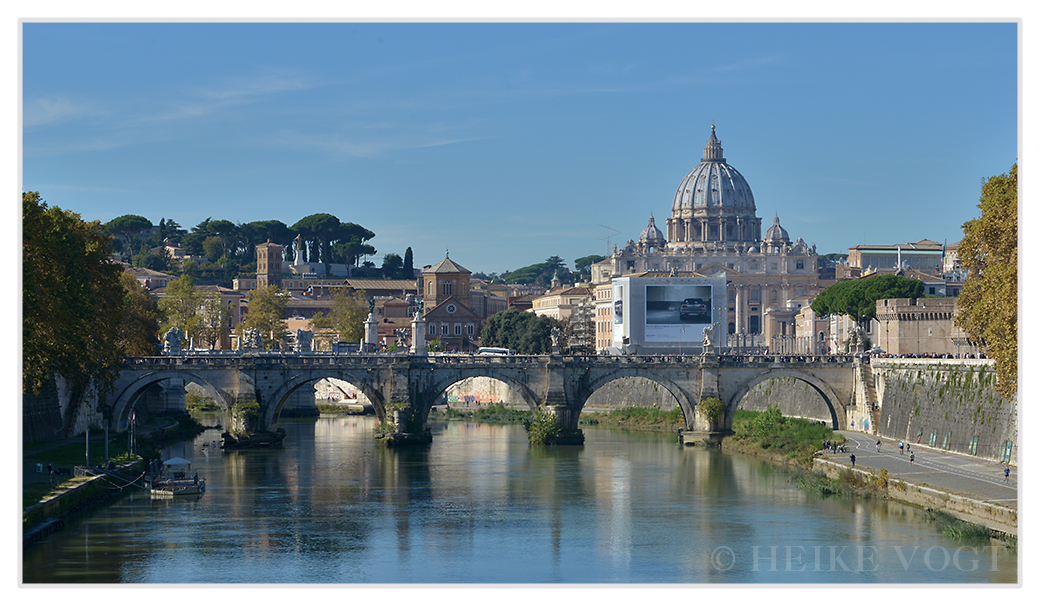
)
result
[(482, 506)]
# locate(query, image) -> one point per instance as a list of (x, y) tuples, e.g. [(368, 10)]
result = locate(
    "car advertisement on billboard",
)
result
[(677, 312)]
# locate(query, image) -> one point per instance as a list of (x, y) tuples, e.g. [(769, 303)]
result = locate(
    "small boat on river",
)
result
[(174, 480)]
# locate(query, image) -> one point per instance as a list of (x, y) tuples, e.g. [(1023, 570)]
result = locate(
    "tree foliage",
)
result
[(347, 317), (266, 314), (127, 227), (988, 303), (521, 331), (139, 324), (857, 298), (584, 264), (72, 298), (540, 273)]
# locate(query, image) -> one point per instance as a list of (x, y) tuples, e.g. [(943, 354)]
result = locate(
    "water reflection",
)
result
[(482, 506)]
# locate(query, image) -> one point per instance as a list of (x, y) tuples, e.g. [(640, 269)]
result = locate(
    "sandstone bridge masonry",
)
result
[(407, 386)]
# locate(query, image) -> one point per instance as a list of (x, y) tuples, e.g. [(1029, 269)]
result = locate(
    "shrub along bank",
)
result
[(771, 435)]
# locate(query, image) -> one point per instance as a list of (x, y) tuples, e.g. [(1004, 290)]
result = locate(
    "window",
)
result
[(931, 290), (973, 445), (433, 328), (754, 294), (458, 329), (470, 329), (799, 265), (946, 441), (446, 288), (444, 328), (931, 440)]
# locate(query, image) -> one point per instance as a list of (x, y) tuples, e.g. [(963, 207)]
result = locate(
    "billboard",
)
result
[(677, 312)]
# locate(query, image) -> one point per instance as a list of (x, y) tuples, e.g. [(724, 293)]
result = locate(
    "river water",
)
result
[(482, 506)]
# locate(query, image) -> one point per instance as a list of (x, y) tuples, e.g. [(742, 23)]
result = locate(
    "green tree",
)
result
[(408, 270), (521, 331), (584, 264), (139, 322), (347, 317), (127, 227), (266, 314), (213, 247), (392, 266), (858, 298), (179, 307), (155, 261), (213, 318), (72, 300), (988, 303)]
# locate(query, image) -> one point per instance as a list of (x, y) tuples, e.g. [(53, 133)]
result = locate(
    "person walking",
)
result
[(911, 459), (900, 447), (852, 457), (878, 445), (1007, 472)]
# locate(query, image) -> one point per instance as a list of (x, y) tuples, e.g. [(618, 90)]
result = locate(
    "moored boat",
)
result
[(174, 480)]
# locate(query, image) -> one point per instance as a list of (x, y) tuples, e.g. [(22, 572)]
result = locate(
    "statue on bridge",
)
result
[(304, 339), (856, 338), (252, 339), (707, 331), (172, 341)]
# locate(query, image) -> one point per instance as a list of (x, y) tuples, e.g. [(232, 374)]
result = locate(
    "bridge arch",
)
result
[(441, 385), (272, 407), (595, 383), (830, 397), (126, 398)]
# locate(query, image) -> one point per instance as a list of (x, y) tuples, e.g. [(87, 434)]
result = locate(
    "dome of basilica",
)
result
[(714, 184)]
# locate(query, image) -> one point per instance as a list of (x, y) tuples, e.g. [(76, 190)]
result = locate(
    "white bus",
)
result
[(495, 351)]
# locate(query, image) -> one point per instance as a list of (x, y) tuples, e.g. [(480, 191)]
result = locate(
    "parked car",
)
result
[(693, 308)]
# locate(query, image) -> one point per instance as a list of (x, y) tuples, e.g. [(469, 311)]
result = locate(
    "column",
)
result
[(739, 310), (418, 335)]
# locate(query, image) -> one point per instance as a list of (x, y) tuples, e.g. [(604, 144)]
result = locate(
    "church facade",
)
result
[(714, 230)]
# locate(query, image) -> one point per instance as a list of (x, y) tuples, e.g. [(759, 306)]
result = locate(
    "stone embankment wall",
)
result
[(43, 414), (1003, 520), (949, 404)]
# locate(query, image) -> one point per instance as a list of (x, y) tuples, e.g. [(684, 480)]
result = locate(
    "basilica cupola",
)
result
[(713, 203)]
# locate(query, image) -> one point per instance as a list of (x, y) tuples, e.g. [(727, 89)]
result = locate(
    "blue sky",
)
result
[(507, 143)]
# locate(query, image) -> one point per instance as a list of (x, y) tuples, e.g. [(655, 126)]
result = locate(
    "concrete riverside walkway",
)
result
[(957, 474)]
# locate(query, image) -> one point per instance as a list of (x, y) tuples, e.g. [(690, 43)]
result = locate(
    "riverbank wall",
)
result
[(949, 404), (1001, 521), (89, 493)]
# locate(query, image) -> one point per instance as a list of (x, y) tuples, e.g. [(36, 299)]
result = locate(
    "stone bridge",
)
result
[(403, 387)]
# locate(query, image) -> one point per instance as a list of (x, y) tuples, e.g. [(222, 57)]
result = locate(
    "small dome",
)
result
[(776, 233), (651, 235)]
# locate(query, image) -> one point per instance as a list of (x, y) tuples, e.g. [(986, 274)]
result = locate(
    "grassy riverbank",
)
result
[(637, 417), (773, 436), (497, 414), (65, 455)]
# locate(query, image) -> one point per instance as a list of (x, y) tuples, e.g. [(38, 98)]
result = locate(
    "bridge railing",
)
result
[(328, 360)]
